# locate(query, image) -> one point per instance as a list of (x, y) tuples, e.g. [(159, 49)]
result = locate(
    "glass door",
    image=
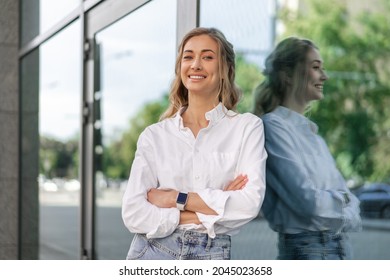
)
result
[(133, 66), (59, 132)]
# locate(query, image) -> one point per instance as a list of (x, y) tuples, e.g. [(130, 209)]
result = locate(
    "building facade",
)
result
[(73, 75), (9, 126), (79, 79)]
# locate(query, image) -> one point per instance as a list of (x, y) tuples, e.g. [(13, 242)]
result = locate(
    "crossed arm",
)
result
[(166, 198)]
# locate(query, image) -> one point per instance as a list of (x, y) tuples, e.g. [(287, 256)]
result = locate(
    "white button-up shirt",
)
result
[(169, 156)]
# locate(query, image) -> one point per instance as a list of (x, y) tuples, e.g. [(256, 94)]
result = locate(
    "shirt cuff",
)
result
[(352, 214), (216, 200), (168, 222)]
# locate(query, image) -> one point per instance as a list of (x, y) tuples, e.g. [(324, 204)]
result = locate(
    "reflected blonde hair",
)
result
[(284, 66), (228, 93)]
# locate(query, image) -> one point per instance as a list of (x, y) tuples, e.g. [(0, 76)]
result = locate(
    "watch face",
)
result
[(182, 198)]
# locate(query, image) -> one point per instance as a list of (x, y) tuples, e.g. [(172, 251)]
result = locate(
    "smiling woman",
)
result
[(308, 202), (175, 202)]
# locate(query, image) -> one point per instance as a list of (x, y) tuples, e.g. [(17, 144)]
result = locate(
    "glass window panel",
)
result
[(354, 94), (136, 69), (51, 12), (59, 130), (249, 26), (38, 16)]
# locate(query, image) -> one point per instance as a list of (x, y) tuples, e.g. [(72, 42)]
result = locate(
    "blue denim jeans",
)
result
[(181, 244), (318, 245)]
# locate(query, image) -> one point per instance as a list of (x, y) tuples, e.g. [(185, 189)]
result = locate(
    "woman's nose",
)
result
[(196, 65), (324, 75)]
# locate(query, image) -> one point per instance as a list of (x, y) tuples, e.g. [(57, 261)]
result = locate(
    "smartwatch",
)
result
[(181, 200)]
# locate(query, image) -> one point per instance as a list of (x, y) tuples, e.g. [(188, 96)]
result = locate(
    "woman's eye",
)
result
[(208, 57), (187, 57)]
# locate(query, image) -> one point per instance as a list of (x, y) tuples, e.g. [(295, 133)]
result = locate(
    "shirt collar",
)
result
[(217, 113), (295, 118), (214, 115)]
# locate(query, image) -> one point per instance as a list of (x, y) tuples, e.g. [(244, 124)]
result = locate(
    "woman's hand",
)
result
[(163, 198), (237, 184)]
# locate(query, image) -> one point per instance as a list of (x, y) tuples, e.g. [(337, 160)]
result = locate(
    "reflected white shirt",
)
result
[(305, 190), (169, 156)]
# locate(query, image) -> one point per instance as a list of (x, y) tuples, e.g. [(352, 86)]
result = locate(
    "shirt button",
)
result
[(197, 177)]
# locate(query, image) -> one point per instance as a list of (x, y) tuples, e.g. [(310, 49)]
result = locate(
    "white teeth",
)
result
[(319, 86), (197, 77)]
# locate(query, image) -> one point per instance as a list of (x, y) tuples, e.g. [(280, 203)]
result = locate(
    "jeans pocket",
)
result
[(138, 247)]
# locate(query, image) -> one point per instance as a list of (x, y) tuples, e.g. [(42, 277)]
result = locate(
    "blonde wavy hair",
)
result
[(228, 93)]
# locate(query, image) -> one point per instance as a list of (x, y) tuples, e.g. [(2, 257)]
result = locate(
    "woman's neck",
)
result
[(197, 108), (194, 117), (294, 105)]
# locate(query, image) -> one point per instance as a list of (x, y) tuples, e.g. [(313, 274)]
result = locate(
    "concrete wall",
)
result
[(19, 142), (9, 129)]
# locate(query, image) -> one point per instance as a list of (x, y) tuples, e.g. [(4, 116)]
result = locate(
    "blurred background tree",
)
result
[(354, 116), (119, 155), (248, 76), (57, 158)]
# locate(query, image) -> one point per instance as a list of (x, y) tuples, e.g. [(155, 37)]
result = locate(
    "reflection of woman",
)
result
[(307, 201), (199, 174)]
